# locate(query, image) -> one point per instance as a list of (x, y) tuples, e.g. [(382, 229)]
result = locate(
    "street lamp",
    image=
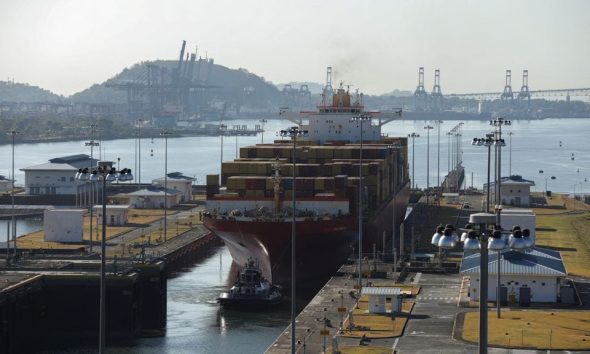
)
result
[(92, 143), (487, 141), (428, 128), (138, 123), (236, 134), (472, 244), (262, 121), (165, 134), (222, 128), (293, 133), (499, 143), (438, 123), (510, 134), (360, 119), (413, 136), (104, 173), (449, 134), (13, 133)]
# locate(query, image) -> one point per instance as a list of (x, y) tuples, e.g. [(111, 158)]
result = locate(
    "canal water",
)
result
[(23, 227), (195, 322)]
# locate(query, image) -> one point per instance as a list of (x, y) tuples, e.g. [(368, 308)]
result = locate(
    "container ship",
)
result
[(249, 205)]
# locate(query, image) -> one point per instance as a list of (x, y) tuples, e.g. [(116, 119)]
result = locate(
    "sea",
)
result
[(557, 147)]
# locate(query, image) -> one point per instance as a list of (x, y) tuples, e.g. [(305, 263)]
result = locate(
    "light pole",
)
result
[(458, 159), (165, 134), (413, 136), (499, 143), (510, 134), (293, 133), (449, 134), (139, 123), (236, 133), (262, 121), (222, 128), (438, 123), (13, 133), (488, 142), (105, 173), (428, 128), (92, 143), (360, 119), (471, 243)]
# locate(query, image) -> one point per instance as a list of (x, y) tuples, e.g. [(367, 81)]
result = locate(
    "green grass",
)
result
[(567, 330)]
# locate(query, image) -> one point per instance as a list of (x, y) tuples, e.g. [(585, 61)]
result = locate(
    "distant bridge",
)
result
[(574, 92)]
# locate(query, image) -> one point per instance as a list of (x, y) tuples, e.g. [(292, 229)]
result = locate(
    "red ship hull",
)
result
[(321, 245)]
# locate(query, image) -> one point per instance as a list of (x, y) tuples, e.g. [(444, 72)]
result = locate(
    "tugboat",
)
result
[(251, 291)]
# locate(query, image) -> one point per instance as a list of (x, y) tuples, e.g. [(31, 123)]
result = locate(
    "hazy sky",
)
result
[(67, 45)]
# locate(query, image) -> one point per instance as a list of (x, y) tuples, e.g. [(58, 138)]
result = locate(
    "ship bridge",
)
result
[(335, 122)]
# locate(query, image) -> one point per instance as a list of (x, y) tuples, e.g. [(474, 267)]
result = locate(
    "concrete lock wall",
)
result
[(63, 225)]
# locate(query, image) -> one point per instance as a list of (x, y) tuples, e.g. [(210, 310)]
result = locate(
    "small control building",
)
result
[(63, 225), (117, 215)]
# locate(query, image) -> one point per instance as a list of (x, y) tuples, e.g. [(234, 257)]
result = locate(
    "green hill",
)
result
[(17, 92)]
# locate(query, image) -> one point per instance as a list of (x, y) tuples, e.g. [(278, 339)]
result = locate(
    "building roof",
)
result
[(153, 191), (113, 207), (175, 176), (537, 261), (513, 180), (70, 158), (64, 163), (51, 167), (379, 290)]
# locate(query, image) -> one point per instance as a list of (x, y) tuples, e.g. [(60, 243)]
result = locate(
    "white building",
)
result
[(63, 225), (515, 190), (57, 176), (525, 218), (378, 298), (151, 198), (538, 271), (117, 215), (179, 182)]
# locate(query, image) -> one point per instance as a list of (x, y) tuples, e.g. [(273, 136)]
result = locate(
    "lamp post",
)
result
[(236, 134), (438, 123), (482, 219), (222, 128), (262, 121), (139, 123), (413, 136), (510, 134), (360, 119), (499, 143), (428, 128), (13, 133), (458, 159), (293, 133), (488, 142), (165, 134), (103, 173), (92, 143)]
